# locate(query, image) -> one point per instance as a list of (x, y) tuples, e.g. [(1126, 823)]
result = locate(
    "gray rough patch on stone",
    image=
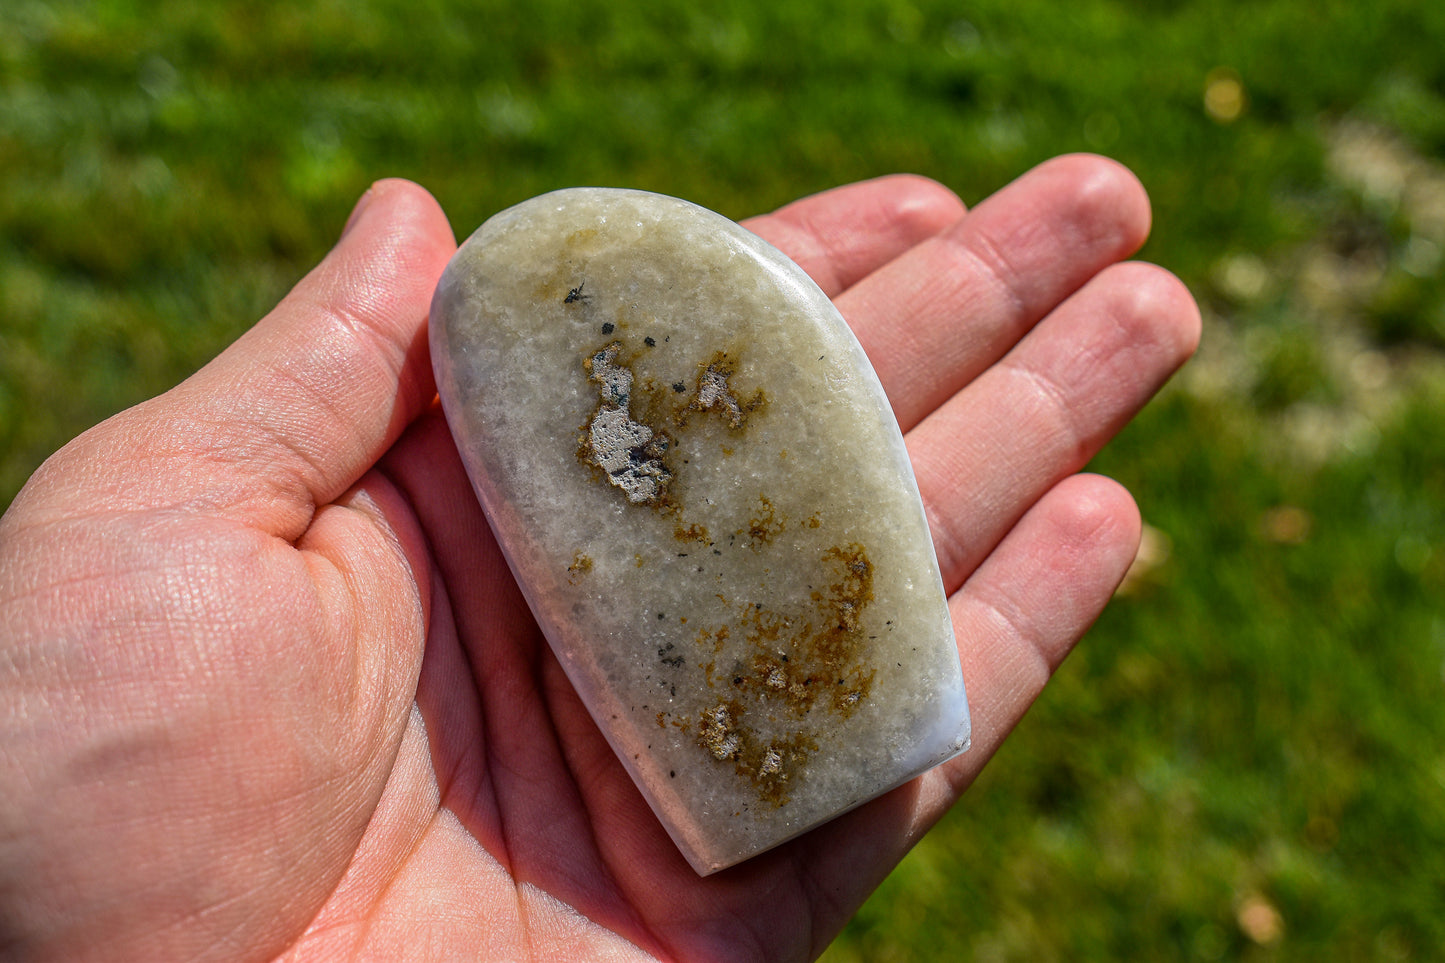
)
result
[(628, 451), (712, 391), (699, 485)]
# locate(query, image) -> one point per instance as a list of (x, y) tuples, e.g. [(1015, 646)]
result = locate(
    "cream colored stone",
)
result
[(700, 487)]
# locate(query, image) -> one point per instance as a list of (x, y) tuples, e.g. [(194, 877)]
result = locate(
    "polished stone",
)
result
[(700, 486)]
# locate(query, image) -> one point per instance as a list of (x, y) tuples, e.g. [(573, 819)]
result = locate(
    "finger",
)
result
[(497, 643), (289, 416), (844, 234), (1042, 412), (1015, 620), (933, 319), (1022, 612)]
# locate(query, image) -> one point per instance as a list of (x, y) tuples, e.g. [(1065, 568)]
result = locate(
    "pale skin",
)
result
[(268, 690)]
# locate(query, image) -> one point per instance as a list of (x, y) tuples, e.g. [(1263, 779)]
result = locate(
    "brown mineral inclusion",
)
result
[(700, 487)]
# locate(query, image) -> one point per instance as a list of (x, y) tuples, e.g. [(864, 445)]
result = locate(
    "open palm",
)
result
[(267, 688)]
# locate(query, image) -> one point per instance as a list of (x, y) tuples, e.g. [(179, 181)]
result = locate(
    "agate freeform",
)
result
[(699, 484)]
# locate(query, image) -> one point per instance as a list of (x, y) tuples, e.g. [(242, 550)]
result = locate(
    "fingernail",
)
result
[(358, 210)]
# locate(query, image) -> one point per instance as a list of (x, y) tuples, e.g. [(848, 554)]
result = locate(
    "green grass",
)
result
[(1253, 735)]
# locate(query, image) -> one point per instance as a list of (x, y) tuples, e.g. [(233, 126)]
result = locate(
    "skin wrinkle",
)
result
[(1004, 610), (315, 930), (727, 934), (496, 763), (958, 542), (859, 876), (373, 345), (486, 785), (947, 545), (107, 489), (905, 215), (356, 594), (371, 914), (305, 448), (209, 909), (319, 848), (979, 248), (447, 786), (216, 487), (436, 596), (605, 858), (900, 354), (231, 939), (821, 900), (1026, 675), (311, 474), (827, 248), (219, 488), (1069, 446), (488, 684), (164, 616)]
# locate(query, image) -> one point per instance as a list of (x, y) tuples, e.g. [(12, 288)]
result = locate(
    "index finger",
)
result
[(842, 235)]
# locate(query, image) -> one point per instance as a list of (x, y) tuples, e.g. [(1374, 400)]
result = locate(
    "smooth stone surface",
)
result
[(700, 486)]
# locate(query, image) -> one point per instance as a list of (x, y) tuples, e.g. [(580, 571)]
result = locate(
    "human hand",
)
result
[(267, 688)]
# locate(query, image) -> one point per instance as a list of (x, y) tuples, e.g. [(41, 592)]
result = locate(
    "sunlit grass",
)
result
[(1244, 759)]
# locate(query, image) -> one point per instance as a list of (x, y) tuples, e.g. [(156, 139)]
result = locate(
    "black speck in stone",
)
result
[(672, 773), (650, 342), (608, 327), (679, 387), (660, 615)]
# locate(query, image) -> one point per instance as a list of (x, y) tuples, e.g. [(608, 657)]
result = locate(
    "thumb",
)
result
[(291, 415)]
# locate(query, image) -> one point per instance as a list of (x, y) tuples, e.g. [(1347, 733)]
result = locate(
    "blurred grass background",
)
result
[(1246, 759)]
